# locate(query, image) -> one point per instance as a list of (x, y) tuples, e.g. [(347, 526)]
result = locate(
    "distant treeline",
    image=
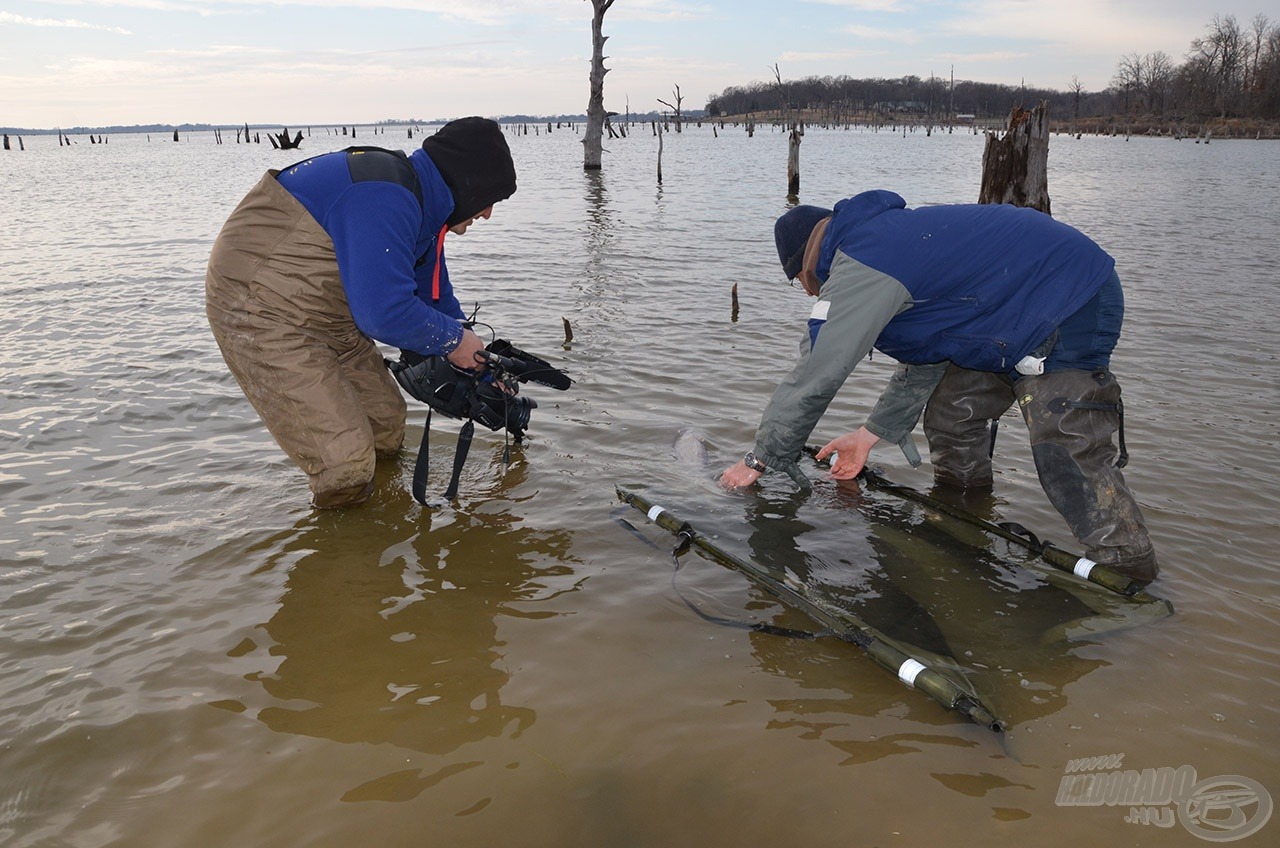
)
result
[(166, 129), (1232, 72)]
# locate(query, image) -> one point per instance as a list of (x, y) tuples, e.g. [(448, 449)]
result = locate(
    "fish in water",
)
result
[(690, 447)]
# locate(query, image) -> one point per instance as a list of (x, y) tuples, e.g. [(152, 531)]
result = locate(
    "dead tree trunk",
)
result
[(660, 132), (793, 164), (676, 108), (592, 139), (1015, 167)]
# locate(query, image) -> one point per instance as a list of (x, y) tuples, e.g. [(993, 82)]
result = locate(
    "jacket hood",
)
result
[(862, 207), (472, 156)]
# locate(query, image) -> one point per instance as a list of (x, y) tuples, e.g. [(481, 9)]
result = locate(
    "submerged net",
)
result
[(977, 615)]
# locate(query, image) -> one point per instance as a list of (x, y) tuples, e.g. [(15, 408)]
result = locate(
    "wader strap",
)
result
[(420, 467), (995, 428), (1060, 405)]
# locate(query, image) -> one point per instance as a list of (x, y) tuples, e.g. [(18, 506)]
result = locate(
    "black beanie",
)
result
[(472, 156), (791, 234)]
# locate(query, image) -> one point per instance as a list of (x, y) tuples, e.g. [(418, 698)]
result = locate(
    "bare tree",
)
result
[(1219, 60), (1157, 76), (783, 95), (1076, 88), (592, 136), (1258, 33), (1128, 78), (676, 108)]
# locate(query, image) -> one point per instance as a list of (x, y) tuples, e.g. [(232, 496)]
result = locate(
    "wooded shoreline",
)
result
[(1107, 125)]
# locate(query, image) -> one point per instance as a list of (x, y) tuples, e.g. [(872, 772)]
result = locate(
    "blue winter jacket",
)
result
[(977, 285), (384, 212), (987, 283)]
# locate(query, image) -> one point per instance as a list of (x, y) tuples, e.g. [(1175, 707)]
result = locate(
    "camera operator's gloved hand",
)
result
[(464, 355)]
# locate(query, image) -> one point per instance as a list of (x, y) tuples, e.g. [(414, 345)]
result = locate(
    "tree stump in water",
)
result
[(1015, 166), (282, 141), (793, 162)]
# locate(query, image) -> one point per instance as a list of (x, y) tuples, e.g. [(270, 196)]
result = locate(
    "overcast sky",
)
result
[(68, 63)]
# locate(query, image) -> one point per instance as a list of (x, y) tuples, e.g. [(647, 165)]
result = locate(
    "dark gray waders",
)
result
[(1071, 416)]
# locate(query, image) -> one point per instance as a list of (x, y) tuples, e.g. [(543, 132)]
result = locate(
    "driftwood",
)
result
[(281, 140), (1015, 166)]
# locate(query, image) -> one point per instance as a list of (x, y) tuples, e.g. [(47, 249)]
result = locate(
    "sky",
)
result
[(98, 63)]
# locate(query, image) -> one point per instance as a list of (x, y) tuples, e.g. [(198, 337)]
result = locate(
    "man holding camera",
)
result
[(324, 257), (981, 305)]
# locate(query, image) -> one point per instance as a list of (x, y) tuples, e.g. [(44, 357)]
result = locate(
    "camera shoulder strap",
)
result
[(460, 457), (420, 467)]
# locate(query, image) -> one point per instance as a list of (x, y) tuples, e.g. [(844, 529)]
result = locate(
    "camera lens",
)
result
[(518, 409)]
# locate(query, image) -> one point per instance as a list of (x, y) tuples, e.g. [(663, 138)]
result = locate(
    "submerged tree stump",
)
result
[(793, 163), (1015, 166)]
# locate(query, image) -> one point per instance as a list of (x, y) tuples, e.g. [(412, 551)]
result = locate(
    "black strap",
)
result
[(460, 457), (1016, 528), (420, 467)]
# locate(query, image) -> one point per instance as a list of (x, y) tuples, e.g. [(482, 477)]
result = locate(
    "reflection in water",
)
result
[(387, 631), (967, 604), (600, 229)]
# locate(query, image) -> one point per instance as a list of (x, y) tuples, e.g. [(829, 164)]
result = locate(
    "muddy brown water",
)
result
[(190, 656)]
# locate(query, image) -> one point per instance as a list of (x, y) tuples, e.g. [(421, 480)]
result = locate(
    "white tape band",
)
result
[(820, 310), (908, 672), (1083, 567), (655, 512)]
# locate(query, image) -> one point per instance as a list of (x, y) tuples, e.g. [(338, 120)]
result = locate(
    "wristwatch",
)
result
[(754, 464)]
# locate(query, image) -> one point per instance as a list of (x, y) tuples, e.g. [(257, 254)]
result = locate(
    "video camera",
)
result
[(488, 395)]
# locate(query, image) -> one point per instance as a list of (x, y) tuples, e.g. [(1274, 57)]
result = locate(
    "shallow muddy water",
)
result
[(189, 655)]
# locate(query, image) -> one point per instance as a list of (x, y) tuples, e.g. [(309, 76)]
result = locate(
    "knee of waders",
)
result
[(1070, 401)]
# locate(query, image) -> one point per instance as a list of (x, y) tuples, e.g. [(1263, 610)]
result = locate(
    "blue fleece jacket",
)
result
[(385, 242)]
